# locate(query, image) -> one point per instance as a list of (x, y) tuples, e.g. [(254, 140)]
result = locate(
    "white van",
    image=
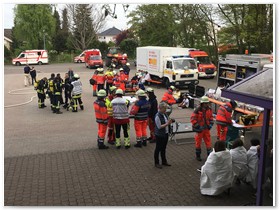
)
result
[(32, 57)]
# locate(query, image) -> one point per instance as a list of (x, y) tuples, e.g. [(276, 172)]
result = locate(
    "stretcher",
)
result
[(178, 127)]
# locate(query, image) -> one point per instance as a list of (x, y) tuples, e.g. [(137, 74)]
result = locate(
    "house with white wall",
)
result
[(8, 38), (109, 35)]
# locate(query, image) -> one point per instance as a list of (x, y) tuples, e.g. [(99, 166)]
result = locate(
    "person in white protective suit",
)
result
[(216, 173), (239, 160), (253, 162)]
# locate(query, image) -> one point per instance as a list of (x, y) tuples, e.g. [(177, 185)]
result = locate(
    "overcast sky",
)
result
[(120, 22)]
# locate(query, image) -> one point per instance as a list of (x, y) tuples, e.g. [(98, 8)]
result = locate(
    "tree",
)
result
[(123, 35), (154, 24), (85, 21), (251, 25), (32, 22)]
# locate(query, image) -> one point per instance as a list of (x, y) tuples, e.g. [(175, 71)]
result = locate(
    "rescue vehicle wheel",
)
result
[(166, 82), (40, 63), (196, 82), (18, 63), (79, 61)]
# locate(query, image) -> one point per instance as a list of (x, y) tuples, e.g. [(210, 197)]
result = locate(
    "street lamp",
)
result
[(44, 39)]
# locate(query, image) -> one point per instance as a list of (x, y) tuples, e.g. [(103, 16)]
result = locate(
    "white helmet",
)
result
[(119, 92), (76, 76), (128, 64)]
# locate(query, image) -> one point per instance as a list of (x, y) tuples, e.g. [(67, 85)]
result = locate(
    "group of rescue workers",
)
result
[(112, 110), (54, 87), (110, 77)]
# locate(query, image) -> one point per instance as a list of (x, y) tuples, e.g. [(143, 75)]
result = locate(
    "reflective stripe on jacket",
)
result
[(109, 76), (77, 87), (120, 110), (141, 109), (100, 111), (109, 107), (50, 85), (57, 88), (224, 114), (202, 117)]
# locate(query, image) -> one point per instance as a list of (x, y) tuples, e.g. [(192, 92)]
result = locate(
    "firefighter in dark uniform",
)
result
[(57, 95), (50, 91), (67, 90), (62, 83), (41, 92)]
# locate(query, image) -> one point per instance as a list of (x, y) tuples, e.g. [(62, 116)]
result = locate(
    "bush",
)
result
[(62, 57)]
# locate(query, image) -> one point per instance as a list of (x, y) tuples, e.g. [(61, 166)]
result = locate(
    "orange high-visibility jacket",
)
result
[(168, 98), (100, 79), (224, 114), (202, 117), (101, 113)]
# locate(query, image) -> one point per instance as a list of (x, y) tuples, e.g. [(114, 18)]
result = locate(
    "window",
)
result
[(22, 55), (39, 53), (169, 65)]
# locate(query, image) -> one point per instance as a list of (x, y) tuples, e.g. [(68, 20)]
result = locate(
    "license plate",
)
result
[(186, 71)]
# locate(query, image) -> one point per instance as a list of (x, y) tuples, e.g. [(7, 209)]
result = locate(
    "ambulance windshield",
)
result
[(95, 57), (203, 60)]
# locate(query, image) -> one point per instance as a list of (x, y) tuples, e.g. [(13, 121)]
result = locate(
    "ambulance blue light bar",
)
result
[(180, 56)]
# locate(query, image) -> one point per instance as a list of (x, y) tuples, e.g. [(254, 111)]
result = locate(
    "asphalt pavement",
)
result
[(53, 159)]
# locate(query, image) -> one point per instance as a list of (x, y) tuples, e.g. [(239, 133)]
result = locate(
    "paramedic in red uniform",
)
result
[(168, 97), (202, 122), (100, 79), (101, 118), (140, 111), (223, 119), (123, 79)]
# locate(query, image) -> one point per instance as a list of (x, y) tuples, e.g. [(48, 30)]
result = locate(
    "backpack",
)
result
[(92, 81)]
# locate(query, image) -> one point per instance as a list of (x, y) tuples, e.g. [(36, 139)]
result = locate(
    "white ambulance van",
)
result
[(32, 57)]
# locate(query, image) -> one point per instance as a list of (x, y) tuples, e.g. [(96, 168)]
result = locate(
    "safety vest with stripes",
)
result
[(100, 111), (224, 114)]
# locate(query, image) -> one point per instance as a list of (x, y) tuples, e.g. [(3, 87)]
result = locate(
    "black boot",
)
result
[(82, 107), (144, 142), (101, 145), (198, 152), (138, 144)]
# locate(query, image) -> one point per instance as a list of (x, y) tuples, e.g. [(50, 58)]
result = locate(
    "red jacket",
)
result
[(202, 117), (224, 115), (95, 85), (168, 98), (109, 79), (100, 79)]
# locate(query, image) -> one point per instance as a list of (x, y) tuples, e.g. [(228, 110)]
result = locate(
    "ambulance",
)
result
[(31, 57)]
